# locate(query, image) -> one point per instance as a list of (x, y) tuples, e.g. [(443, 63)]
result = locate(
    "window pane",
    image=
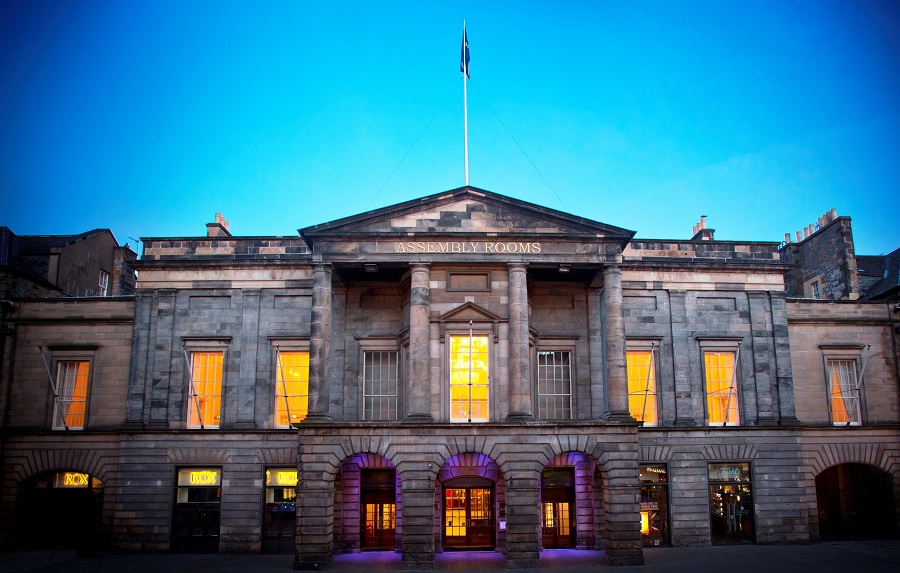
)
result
[(469, 380), (380, 385), (844, 395), (721, 388), (291, 388), (642, 386), (205, 399), (71, 383), (554, 385)]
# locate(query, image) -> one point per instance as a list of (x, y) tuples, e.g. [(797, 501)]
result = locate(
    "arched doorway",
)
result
[(470, 492), (60, 510), (468, 513), (855, 501), (368, 505), (558, 525)]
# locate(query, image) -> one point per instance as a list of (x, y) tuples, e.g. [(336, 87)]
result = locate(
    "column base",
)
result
[(317, 419), (622, 416), (418, 419), (520, 417)]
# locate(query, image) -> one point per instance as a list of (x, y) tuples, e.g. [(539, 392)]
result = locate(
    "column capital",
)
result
[(610, 269), (523, 267), (322, 267), (420, 266)]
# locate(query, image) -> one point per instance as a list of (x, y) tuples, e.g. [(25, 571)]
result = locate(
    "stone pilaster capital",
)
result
[(518, 267), (322, 267), (420, 267)]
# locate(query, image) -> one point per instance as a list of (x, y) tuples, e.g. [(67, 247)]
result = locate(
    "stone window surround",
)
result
[(71, 353), (193, 344), (721, 344), (652, 345), (284, 344), (556, 344), (852, 352), (380, 344)]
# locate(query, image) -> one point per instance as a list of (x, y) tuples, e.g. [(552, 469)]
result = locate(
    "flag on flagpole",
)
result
[(464, 56)]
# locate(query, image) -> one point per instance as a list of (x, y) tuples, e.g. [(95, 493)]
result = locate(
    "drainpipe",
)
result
[(7, 350)]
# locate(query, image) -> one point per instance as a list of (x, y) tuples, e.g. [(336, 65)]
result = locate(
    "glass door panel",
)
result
[(468, 518), (379, 526)]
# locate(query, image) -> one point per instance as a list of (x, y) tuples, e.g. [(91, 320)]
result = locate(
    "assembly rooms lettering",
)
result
[(466, 247)]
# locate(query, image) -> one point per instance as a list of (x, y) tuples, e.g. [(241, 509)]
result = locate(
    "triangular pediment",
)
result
[(469, 311), (466, 212)]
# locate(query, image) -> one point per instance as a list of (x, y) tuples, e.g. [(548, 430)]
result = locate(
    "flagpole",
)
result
[(465, 51)]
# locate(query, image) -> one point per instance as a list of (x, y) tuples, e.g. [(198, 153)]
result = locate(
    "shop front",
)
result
[(60, 510)]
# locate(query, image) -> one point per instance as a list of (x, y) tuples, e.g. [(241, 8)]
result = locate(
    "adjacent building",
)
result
[(464, 371)]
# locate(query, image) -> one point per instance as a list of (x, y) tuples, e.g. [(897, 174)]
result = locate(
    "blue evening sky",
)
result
[(148, 117)]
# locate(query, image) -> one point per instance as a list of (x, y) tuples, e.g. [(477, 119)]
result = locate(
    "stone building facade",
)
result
[(465, 371)]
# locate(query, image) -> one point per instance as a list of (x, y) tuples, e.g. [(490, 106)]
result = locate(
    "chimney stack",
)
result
[(219, 228)]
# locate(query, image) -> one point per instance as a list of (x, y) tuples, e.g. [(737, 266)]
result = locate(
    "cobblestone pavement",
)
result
[(833, 557)]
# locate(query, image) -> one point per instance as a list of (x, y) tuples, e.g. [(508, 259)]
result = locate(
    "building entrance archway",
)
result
[(855, 501), (60, 510)]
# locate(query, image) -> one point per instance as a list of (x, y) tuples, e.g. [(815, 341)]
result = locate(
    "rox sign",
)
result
[(467, 247)]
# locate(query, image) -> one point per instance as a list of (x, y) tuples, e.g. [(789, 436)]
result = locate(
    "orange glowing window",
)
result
[(291, 388), (71, 384), (844, 393), (642, 386), (721, 388), (469, 389), (205, 400)]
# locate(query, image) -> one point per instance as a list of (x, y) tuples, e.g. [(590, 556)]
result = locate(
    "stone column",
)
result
[(614, 345), (320, 344), (249, 364), (314, 533), (763, 356), (681, 340), (523, 520), (418, 405), (417, 528), (621, 500), (138, 401), (520, 407), (595, 345)]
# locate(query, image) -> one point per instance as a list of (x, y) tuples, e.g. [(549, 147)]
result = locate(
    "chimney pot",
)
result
[(832, 215), (787, 238)]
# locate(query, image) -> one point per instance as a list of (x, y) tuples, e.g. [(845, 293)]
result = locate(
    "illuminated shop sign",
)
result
[(729, 472), (199, 477), (286, 477), (204, 478), (470, 247), (72, 479)]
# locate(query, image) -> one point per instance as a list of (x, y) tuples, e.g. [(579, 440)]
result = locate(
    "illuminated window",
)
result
[(641, 367), (469, 390), (380, 385), (205, 399), (654, 504), (554, 385), (843, 390), (721, 388), (71, 385), (103, 287), (291, 388)]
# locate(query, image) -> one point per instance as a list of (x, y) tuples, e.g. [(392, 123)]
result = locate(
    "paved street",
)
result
[(835, 557)]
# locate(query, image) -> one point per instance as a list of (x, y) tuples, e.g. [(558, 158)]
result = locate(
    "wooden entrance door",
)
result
[(468, 518), (558, 518)]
